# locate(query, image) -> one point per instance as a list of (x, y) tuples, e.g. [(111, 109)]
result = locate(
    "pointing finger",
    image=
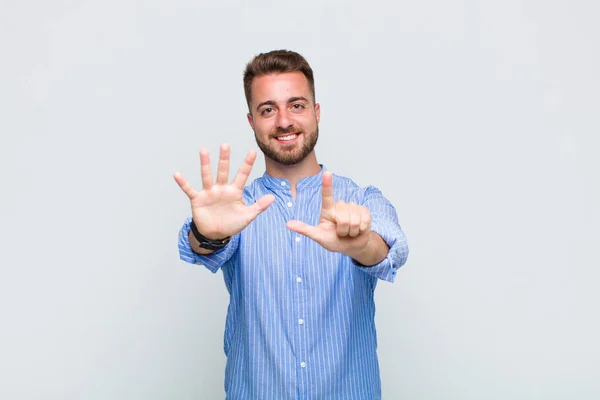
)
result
[(327, 192)]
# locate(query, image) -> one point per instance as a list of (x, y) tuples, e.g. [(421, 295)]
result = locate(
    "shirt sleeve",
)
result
[(212, 261), (384, 222)]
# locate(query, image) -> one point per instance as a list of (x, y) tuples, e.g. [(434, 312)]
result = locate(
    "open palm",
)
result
[(218, 210)]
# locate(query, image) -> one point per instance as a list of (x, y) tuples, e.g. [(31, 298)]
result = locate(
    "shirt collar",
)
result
[(283, 184)]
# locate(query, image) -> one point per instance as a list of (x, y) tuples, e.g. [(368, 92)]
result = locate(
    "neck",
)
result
[(293, 173)]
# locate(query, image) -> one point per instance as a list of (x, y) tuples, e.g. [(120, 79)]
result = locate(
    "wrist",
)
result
[(206, 243), (372, 253), (195, 245)]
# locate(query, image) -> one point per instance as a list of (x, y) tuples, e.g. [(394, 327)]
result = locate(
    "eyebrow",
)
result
[(290, 100)]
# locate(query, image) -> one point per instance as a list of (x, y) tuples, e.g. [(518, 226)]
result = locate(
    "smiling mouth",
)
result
[(287, 137)]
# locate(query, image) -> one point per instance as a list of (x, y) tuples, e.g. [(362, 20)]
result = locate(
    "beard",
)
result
[(296, 153)]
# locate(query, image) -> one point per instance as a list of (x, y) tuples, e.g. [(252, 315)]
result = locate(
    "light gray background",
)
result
[(477, 119)]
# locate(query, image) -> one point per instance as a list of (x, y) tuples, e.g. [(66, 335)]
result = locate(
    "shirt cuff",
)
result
[(212, 261), (387, 268)]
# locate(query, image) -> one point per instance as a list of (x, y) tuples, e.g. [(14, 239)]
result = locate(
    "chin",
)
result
[(288, 153)]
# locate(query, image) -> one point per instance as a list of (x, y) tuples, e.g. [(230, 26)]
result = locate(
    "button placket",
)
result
[(300, 291)]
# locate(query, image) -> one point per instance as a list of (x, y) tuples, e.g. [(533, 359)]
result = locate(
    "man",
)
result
[(300, 249)]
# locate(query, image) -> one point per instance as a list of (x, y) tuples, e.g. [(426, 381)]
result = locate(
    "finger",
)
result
[(327, 192), (309, 231), (205, 170), (365, 219), (223, 170), (259, 206), (354, 213), (244, 172), (342, 219), (184, 185)]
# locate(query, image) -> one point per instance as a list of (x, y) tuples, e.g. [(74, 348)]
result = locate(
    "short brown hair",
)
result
[(274, 62)]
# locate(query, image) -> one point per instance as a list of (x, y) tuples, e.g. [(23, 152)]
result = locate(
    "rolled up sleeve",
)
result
[(384, 222), (212, 261)]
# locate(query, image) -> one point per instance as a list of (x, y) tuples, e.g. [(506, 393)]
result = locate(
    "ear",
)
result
[(250, 120), (318, 112)]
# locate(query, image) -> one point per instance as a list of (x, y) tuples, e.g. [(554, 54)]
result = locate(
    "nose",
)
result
[(284, 120)]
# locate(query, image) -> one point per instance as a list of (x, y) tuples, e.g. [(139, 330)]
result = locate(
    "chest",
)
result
[(271, 254)]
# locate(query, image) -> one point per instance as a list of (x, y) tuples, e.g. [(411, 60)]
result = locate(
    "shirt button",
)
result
[(289, 204), (300, 321), (303, 364), (298, 279), (297, 238), (282, 183)]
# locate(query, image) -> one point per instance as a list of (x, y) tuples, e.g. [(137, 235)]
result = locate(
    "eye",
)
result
[(266, 111), (298, 106)]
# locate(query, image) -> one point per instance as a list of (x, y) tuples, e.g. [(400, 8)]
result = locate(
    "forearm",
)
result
[(373, 253)]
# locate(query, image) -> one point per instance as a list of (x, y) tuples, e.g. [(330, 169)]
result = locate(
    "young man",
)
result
[(300, 249)]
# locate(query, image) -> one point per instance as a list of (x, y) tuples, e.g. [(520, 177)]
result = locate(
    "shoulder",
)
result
[(255, 190), (344, 183), (351, 191)]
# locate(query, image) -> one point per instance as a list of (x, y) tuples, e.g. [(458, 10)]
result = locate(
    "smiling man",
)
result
[(301, 250)]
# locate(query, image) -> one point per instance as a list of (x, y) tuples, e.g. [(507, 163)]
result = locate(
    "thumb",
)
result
[(261, 205), (309, 231)]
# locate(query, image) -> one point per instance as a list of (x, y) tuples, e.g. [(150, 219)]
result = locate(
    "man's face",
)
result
[(284, 118)]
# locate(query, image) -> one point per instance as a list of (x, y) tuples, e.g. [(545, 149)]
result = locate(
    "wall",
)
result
[(478, 120)]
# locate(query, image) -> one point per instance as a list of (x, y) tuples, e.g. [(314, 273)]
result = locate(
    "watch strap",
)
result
[(206, 243)]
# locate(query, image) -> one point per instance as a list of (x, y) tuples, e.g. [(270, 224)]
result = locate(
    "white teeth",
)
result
[(289, 137)]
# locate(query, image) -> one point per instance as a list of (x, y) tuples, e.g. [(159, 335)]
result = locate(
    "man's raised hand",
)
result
[(343, 227), (218, 210)]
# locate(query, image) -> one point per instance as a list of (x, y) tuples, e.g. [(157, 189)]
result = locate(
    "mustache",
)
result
[(281, 131)]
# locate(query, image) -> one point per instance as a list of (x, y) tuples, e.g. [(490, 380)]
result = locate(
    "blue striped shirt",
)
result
[(300, 322)]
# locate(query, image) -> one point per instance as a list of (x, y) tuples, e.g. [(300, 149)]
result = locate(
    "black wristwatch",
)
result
[(206, 243)]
